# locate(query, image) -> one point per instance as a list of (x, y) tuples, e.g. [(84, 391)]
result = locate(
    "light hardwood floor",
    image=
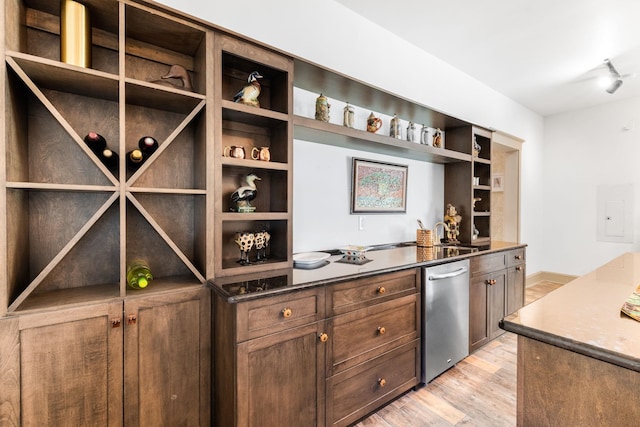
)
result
[(479, 391)]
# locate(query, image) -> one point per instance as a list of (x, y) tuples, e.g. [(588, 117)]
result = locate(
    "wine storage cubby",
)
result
[(72, 222)]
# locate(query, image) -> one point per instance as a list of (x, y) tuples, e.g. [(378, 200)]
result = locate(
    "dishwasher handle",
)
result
[(448, 275)]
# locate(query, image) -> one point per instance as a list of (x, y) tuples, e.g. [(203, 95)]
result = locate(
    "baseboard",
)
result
[(548, 276)]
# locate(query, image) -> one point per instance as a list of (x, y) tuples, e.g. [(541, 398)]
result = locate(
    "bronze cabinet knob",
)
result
[(323, 337), (381, 290), (382, 382), (287, 312), (382, 330)]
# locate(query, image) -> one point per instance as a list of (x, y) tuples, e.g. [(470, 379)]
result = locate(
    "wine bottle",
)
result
[(148, 145), (134, 159), (110, 159), (138, 274), (95, 142)]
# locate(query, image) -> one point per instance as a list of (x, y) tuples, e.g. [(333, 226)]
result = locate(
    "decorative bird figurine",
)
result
[(243, 196), (180, 73), (249, 94)]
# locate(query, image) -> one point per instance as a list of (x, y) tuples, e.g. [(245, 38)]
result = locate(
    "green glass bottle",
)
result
[(138, 275)]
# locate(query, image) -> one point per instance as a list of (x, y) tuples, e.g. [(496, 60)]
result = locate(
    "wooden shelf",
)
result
[(327, 133)]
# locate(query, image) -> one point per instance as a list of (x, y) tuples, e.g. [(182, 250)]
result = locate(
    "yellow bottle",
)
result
[(138, 275)]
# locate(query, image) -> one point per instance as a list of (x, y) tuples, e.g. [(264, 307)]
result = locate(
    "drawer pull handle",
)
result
[(382, 330), (381, 290), (518, 257), (287, 312), (131, 320), (382, 382), (115, 323), (490, 282), (323, 337)]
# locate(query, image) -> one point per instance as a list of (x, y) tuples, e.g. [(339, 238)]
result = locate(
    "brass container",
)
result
[(75, 34)]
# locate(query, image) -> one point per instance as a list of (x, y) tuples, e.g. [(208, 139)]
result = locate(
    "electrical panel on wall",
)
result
[(615, 213)]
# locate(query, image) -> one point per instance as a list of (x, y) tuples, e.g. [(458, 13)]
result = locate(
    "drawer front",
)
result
[(361, 335), (489, 262), (275, 314), (360, 293), (516, 257), (364, 388)]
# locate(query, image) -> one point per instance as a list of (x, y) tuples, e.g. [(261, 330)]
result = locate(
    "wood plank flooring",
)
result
[(479, 391)]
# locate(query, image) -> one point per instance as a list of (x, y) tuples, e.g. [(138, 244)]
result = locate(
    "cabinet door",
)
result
[(497, 302), (478, 304), (167, 359), (62, 368), (515, 288), (280, 379)]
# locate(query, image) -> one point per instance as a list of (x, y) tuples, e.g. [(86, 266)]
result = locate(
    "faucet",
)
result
[(436, 239)]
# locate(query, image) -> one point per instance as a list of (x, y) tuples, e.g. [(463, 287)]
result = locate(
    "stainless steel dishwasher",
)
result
[(445, 317)]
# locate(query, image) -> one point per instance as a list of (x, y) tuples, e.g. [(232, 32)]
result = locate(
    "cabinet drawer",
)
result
[(516, 257), (363, 334), (274, 314), (361, 293), (364, 388), (490, 262)]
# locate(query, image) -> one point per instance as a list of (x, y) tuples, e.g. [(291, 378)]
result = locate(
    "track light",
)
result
[(617, 82)]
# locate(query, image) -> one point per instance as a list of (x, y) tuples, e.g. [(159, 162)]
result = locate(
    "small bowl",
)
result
[(355, 251)]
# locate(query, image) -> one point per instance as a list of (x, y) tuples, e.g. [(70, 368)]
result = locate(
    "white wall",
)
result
[(328, 33), (584, 149)]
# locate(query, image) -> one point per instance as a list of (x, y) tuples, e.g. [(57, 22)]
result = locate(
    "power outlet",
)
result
[(361, 223)]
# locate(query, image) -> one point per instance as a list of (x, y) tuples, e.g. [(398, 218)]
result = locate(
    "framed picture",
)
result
[(378, 187), (497, 182)]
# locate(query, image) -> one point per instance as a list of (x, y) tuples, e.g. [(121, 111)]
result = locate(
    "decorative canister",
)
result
[(437, 139), (411, 132), (394, 128), (75, 34), (424, 136), (322, 108), (348, 116)]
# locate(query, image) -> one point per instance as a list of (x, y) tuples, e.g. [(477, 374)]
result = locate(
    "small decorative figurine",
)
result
[(373, 123), (245, 241), (475, 232), (322, 108), (261, 153), (476, 200), (249, 94), (437, 139), (236, 151), (348, 116), (476, 148), (180, 73), (243, 196), (453, 221), (424, 135), (261, 242), (411, 132), (394, 127)]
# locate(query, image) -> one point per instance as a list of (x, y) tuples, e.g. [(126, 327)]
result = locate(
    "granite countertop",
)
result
[(584, 315), (245, 287)]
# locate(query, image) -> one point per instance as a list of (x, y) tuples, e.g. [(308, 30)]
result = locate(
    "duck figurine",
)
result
[(249, 94), (243, 196)]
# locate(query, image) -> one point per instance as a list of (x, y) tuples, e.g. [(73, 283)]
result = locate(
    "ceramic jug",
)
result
[(411, 132), (261, 153), (373, 123), (348, 116), (236, 151), (424, 136)]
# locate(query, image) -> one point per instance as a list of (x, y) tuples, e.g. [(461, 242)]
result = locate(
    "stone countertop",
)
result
[(584, 315), (245, 287)]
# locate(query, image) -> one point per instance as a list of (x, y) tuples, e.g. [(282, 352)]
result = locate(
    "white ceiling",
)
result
[(545, 54)]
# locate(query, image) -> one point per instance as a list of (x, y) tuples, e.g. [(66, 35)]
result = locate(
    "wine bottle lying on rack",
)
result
[(110, 159), (95, 142), (135, 159), (148, 145), (138, 274)]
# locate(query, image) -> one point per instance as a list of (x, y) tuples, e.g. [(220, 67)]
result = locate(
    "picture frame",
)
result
[(497, 182), (378, 187)]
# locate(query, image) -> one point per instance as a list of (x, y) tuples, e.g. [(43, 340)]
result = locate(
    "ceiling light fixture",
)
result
[(617, 80)]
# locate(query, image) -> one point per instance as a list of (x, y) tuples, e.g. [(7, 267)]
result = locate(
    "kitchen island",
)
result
[(578, 355)]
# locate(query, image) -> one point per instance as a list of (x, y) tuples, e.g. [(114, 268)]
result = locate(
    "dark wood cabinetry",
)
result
[(318, 356), (496, 290), (142, 362)]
